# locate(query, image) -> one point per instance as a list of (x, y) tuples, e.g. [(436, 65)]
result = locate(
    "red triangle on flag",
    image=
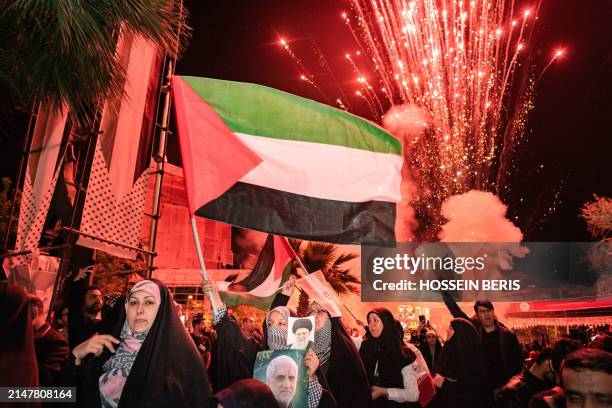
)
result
[(282, 255), (214, 158)]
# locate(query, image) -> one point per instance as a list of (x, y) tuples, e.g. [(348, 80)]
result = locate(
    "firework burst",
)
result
[(466, 64)]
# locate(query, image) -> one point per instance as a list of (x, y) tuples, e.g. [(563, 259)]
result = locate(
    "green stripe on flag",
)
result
[(262, 111), (233, 299)]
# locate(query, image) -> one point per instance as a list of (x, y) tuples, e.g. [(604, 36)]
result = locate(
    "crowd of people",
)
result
[(135, 351)]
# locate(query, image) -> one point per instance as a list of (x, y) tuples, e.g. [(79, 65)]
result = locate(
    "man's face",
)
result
[(93, 301), (283, 383), (301, 337), (200, 327), (587, 389), (248, 325), (486, 316)]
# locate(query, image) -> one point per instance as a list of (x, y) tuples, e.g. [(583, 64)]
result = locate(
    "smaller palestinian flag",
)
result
[(262, 159), (259, 288), (319, 290)]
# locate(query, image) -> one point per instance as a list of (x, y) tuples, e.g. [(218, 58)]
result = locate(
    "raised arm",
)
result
[(232, 359), (452, 306)]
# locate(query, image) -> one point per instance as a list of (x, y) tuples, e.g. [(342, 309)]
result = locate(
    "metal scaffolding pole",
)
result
[(23, 162), (159, 158)]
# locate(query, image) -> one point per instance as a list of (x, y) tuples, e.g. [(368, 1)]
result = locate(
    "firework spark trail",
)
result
[(556, 56), (305, 75), (325, 65), (368, 91), (459, 61)]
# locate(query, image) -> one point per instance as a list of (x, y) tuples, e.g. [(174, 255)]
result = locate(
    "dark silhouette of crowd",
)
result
[(135, 351)]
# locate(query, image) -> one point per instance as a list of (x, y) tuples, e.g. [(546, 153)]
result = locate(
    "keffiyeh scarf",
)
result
[(118, 366), (322, 343), (277, 338)]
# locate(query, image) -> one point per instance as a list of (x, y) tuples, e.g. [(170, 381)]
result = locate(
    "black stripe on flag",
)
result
[(260, 272), (298, 216)]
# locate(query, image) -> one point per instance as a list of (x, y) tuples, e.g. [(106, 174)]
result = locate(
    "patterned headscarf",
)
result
[(322, 338), (117, 368), (277, 337)]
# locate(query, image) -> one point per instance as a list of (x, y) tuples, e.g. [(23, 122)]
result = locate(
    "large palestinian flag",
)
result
[(263, 159)]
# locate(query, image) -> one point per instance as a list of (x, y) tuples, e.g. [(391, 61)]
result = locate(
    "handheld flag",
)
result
[(269, 274), (317, 288)]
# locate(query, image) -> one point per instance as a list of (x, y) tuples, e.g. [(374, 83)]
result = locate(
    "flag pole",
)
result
[(297, 257), (196, 238)]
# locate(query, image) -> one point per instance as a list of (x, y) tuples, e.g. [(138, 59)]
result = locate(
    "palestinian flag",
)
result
[(263, 159), (259, 288)]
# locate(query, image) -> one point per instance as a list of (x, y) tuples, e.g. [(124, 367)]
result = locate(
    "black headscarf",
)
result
[(168, 370), (247, 393), (388, 350), (461, 357), (462, 362)]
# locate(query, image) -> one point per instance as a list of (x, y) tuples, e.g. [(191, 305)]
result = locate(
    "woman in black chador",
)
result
[(148, 360), (461, 377), (341, 370), (389, 363)]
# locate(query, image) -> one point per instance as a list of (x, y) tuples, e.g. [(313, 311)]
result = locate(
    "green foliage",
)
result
[(6, 199), (112, 273), (64, 51), (325, 257)]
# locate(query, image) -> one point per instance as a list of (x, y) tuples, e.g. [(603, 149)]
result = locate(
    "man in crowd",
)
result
[(555, 397), (51, 348), (519, 390), (62, 321), (587, 379), (281, 377), (501, 349), (247, 327), (200, 337), (198, 325), (84, 309)]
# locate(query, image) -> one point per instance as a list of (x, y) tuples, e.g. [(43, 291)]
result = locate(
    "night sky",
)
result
[(567, 154)]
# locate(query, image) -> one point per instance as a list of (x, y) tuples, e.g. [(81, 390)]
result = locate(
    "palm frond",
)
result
[(64, 51), (345, 257)]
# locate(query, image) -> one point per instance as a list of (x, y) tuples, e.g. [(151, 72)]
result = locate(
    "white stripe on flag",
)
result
[(267, 287), (324, 171)]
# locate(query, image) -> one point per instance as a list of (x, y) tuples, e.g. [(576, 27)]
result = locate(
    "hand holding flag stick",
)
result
[(288, 287), (210, 288)]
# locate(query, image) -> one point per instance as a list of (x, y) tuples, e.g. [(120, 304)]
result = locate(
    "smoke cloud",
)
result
[(477, 216), (406, 122)]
